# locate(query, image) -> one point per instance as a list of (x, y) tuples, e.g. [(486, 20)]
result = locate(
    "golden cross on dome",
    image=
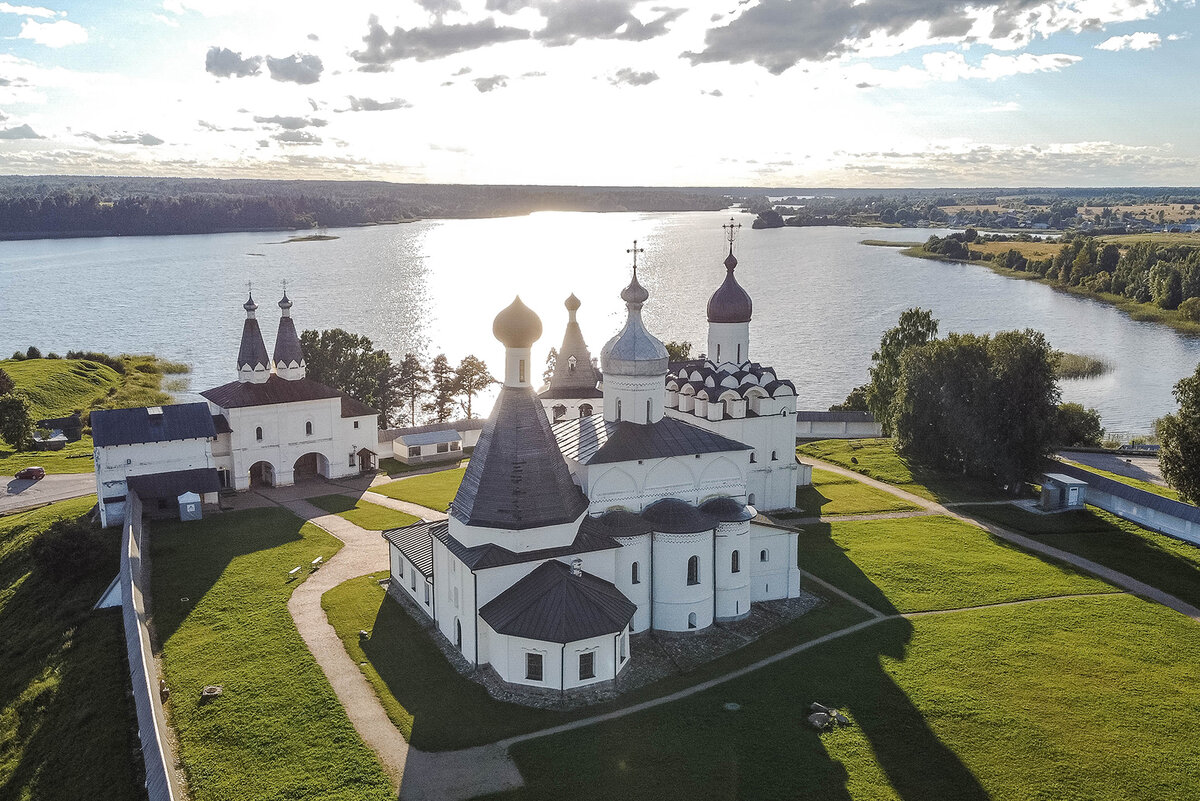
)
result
[(732, 229), (635, 250)]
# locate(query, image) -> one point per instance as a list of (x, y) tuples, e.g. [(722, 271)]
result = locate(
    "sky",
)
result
[(873, 93)]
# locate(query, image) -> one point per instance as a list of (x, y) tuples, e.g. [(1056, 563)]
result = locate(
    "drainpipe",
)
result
[(475, 614), (562, 671), (714, 575), (651, 582)]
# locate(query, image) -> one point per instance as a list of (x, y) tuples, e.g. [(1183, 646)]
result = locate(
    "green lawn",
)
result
[(1148, 486), (220, 607), (65, 720), (394, 467), (1059, 700), (370, 516), (437, 709), (57, 387), (834, 494), (75, 457), (877, 459), (1161, 561), (431, 490), (921, 563)]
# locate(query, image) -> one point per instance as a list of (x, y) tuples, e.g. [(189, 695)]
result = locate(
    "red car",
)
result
[(32, 473)]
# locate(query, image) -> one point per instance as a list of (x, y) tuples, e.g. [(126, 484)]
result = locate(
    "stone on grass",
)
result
[(841, 719), (815, 707), (819, 721)]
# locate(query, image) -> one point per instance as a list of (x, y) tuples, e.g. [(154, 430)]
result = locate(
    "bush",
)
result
[(68, 550), (100, 358), (1190, 310), (1075, 426), (33, 353), (53, 355), (18, 356)]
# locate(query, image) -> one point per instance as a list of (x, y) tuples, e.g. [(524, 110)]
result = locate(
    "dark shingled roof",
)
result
[(253, 352), (137, 426), (471, 424), (618, 523), (552, 605), (481, 557), (287, 343), (728, 510), (593, 440), (730, 303), (554, 393), (835, 417), (673, 516), (221, 425), (416, 543), (517, 478), (1183, 511), (175, 483), (238, 394)]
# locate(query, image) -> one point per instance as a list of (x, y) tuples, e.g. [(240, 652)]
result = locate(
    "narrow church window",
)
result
[(457, 634), (774, 456), (647, 411), (427, 595), (258, 433), (533, 667), (624, 645), (521, 370), (400, 572), (456, 592), (718, 353), (308, 429), (753, 459), (750, 499), (636, 578), (764, 556), (692, 620), (693, 576), (356, 424), (571, 365), (413, 579), (560, 412), (735, 562), (739, 354), (587, 665), (618, 411)]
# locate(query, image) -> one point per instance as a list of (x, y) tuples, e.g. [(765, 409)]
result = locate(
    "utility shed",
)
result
[(428, 446), (1062, 492)]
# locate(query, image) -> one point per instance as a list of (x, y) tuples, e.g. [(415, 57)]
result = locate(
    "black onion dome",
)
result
[(250, 305), (285, 302), (730, 303), (517, 326)]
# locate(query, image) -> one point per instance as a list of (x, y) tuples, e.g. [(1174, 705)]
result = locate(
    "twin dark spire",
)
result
[(253, 363)]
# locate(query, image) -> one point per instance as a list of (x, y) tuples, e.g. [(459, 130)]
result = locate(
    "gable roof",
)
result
[(594, 440), (430, 437), (466, 424), (589, 539), (552, 605), (175, 483), (416, 542), (240, 394), (517, 478), (137, 426)]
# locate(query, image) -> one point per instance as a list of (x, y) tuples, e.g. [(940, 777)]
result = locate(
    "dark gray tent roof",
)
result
[(287, 343), (517, 478), (238, 394), (137, 425), (253, 352), (593, 440), (416, 543), (552, 605)]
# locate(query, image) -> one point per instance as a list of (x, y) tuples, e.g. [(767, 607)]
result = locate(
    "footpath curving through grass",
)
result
[(1061, 699), (877, 458), (362, 513), (431, 490), (220, 593), (835, 494), (1164, 562), (436, 709), (67, 727)]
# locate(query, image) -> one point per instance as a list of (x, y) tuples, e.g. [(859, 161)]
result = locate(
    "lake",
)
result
[(821, 299)]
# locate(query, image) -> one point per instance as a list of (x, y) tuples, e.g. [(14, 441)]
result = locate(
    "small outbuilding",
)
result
[(1062, 492), (428, 446)]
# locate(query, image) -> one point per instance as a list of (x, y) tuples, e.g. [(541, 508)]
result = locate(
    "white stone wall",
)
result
[(729, 342), (531, 539), (777, 576), (733, 589), (572, 407), (115, 463), (454, 588), (809, 429), (637, 484), (674, 599), (634, 549), (560, 662), (634, 398), (407, 577)]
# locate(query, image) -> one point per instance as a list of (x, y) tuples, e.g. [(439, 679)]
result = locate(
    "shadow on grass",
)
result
[(190, 557), (810, 500)]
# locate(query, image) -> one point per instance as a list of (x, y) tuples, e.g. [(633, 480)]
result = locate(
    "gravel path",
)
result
[(400, 506)]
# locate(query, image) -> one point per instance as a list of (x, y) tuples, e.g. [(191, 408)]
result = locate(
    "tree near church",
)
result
[(443, 392), (678, 351), (1179, 440), (551, 363), (16, 424), (350, 363), (915, 327), (412, 386), (1076, 426), (470, 378), (7, 385)]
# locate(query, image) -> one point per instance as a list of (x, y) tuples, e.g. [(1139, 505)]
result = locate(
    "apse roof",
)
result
[(552, 604)]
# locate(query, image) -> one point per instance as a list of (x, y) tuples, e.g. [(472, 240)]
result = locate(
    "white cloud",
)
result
[(30, 11), (165, 20), (953, 66), (53, 34), (1131, 41)]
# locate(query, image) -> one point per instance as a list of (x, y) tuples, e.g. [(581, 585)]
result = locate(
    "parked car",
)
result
[(32, 473)]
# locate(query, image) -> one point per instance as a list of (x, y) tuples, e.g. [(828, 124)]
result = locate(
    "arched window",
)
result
[(258, 433), (647, 410), (560, 411), (692, 620), (693, 576), (618, 410), (457, 634), (521, 370), (718, 353), (753, 457), (735, 562), (571, 365), (750, 499), (764, 555), (308, 429), (634, 571), (585, 410), (774, 456)]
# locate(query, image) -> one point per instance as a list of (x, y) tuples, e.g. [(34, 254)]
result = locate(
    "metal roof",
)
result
[(239, 394), (287, 342), (728, 510), (471, 424), (221, 424), (673, 516), (174, 483), (554, 393), (568, 382), (1183, 511), (594, 440), (730, 303), (136, 426), (517, 478), (253, 352), (430, 437), (1064, 479), (553, 605), (589, 539), (618, 523), (416, 543)]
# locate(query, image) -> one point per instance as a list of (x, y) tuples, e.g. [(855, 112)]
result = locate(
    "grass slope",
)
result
[(1148, 486), (57, 387), (1161, 561), (1059, 700), (922, 563), (370, 516), (431, 490), (877, 458), (220, 609), (65, 720), (437, 709), (835, 494)]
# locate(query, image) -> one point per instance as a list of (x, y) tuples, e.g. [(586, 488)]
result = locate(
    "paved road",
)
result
[(18, 494)]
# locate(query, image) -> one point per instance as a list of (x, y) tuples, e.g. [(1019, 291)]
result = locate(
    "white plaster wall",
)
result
[(402, 575), (733, 589), (531, 539), (451, 574), (560, 662), (635, 549), (834, 430), (637, 484), (629, 395), (729, 342), (674, 598), (572, 408), (778, 577), (115, 463)]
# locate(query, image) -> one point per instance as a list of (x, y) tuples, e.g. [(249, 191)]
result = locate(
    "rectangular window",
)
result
[(624, 654), (456, 446), (356, 424), (533, 667), (587, 665), (414, 451), (400, 572), (443, 447), (521, 371), (427, 594), (413, 580)]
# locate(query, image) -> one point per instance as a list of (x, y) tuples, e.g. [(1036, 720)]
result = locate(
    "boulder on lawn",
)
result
[(815, 707), (819, 721), (841, 719)]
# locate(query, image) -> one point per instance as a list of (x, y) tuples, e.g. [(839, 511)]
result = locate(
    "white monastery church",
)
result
[(633, 512)]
